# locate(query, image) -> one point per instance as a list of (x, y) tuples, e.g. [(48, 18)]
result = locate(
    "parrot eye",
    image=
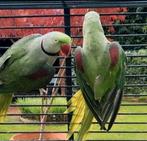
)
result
[(56, 40)]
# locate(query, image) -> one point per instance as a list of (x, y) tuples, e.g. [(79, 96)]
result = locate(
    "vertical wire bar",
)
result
[(68, 63)]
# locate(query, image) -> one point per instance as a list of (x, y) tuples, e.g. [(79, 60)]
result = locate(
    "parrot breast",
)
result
[(114, 55)]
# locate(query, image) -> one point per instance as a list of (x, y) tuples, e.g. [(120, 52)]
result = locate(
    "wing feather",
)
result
[(87, 92), (16, 51), (111, 100)]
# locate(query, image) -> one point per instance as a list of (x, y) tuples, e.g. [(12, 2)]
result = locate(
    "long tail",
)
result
[(85, 124), (76, 105), (81, 114), (5, 100)]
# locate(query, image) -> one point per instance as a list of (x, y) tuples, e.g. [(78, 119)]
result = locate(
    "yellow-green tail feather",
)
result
[(5, 100), (76, 105), (85, 124)]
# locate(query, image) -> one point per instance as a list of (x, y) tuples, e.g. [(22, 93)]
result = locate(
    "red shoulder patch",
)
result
[(114, 54), (38, 74), (79, 62)]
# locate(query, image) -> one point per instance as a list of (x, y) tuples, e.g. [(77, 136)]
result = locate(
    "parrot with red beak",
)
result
[(100, 68), (28, 64)]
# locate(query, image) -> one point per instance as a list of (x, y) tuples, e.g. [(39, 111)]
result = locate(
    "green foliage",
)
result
[(29, 101), (130, 28), (136, 71), (58, 109), (38, 101)]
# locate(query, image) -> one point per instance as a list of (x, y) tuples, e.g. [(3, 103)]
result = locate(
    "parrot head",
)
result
[(56, 43), (92, 19)]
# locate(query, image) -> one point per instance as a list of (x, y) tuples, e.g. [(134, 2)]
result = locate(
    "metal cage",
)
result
[(131, 32)]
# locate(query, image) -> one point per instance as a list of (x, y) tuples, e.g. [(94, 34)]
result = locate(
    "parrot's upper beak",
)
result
[(65, 50)]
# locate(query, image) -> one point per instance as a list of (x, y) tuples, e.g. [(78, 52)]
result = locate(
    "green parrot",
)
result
[(100, 68), (28, 64)]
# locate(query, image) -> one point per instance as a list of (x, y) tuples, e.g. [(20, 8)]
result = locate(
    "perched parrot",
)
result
[(100, 68), (28, 64)]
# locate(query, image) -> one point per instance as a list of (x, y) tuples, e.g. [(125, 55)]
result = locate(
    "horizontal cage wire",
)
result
[(42, 114)]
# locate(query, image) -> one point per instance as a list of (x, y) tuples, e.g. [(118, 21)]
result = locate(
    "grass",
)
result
[(30, 128), (26, 128), (98, 136), (125, 127)]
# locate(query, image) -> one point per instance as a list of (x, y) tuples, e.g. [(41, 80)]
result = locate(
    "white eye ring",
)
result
[(56, 40)]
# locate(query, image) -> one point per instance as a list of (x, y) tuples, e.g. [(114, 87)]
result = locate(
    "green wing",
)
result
[(87, 92), (16, 51), (112, 99)]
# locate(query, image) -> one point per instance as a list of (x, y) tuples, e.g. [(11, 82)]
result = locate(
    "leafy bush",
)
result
[(136, 71), (29, 101), (131, 20), (37, 109)]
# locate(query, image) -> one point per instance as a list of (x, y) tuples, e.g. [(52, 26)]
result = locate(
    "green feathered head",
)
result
[(54, 43)]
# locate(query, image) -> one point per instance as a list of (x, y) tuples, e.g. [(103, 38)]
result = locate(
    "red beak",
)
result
[(65, 50)]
